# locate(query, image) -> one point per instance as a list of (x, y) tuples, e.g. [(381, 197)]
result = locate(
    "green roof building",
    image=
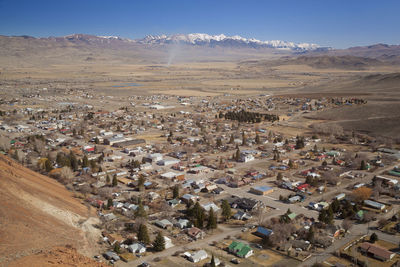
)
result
[(240, 249)]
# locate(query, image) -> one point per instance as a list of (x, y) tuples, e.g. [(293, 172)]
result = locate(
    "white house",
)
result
[(168, 242), (137, 248), (246, 157), (198, 256), (210, 205)]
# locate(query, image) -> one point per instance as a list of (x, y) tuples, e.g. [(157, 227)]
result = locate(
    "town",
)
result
[(214, 181)]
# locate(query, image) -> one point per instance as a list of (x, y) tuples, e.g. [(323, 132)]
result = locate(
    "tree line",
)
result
[(249, 117)]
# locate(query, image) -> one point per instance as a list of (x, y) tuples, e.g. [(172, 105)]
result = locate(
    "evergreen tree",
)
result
[(335, 205), (117, 248), (322, 216), (231, 139), (114, 181), (279, 177), (143, 235), (212, 263), (140, 211), (60, 159), (109, 203), (141, 182), (329, 216), (175, 192), (258, 141), (299, 142), (93, 164), (219, 142), (73, 160), (310, 234), (107, 179), (373, 238), (159, 242), (244, 140), (226, 210), (315, 149), (212, 220), (237, 155), (290, 164), (48, 166), (85, 161), (197, 214), (363, 166)]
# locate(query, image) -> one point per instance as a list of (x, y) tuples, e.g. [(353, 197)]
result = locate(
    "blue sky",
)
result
[(340, 23)]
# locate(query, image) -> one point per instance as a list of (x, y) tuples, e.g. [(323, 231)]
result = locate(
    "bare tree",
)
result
[(377, 190), (346, 224), (259, 214), (328, 129), (66, 175), (4, 143), (368, 216), (331, 177), (382, 222), (52, 155), (105, 192), (40, 147), (85, 189)]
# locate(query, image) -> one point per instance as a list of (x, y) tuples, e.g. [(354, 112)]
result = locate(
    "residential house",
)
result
[(173, 202), (261, 190), (153, 157), (241, 215), (301, 244), (263, 232), (137, 248), (246, 157), (188, 197), (197, 256), (182, 223), (195, 233), (209, 206), (374, 204), (164, 223), (240, 249), (376, 251), (168, 242), (245, 204), (110, 255)]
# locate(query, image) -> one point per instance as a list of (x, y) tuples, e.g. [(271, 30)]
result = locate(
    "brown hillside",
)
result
[(37, 213), (59, 256)]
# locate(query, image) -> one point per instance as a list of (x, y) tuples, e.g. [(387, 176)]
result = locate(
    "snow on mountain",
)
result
[(223, 40), (199, 39)]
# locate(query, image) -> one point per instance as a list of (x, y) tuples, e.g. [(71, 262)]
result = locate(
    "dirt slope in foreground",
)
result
[(59, 256), (37, 213)]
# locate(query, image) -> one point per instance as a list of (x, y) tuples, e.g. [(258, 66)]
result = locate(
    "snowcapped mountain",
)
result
[(194, 39), (223, 40)]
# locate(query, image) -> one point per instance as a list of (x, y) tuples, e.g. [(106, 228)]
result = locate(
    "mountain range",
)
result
[(223, 40), (194, 39), (32, 51)]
